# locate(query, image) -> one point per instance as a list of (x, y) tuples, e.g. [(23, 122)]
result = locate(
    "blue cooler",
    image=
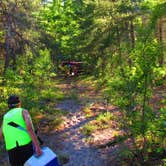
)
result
[(48, 158)]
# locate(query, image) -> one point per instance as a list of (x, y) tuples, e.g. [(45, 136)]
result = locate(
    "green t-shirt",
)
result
[(13, 135)]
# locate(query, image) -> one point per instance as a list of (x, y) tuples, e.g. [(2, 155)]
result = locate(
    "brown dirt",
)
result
[(72, 147)]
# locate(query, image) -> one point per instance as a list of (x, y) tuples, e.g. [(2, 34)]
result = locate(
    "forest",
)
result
[(121, 48)]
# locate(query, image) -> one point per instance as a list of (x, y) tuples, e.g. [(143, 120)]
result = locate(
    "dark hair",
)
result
[(13, 101)]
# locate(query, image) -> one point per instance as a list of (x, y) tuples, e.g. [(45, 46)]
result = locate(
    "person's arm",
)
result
[(31, 132)]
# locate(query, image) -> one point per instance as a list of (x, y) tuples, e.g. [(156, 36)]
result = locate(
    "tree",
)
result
[(16, 27)]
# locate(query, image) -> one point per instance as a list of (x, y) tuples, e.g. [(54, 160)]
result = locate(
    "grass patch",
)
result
[(104, 118), (102, 121), (52, 94), (88, 112), (88, 129)]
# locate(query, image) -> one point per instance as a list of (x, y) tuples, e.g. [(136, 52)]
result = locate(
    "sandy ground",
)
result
[(70, 143)]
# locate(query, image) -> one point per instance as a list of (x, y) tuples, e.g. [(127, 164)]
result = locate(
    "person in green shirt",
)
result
[(17, 131)]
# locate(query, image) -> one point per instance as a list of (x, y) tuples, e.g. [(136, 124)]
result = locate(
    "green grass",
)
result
[(88, 112), (102, 121), (104, 118), (88, 129)]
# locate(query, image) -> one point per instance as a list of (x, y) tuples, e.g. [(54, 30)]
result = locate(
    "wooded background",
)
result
[(121, 43)]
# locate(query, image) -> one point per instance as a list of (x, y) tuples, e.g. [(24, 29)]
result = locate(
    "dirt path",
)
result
[(69, 143), (72, 147)]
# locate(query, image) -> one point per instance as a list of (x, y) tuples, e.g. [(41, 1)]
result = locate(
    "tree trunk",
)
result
[(7, 43), (132, 35), (161, 34)]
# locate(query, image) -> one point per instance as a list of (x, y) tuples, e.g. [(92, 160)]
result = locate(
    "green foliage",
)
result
[(43, 65), (31, 84), (102, 121), (126, 154), (104, 118), (51, 94), (88, 112), (131, 89), (61, 23), (159, 74), (157, 128), (88, 129), (118, 42)]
